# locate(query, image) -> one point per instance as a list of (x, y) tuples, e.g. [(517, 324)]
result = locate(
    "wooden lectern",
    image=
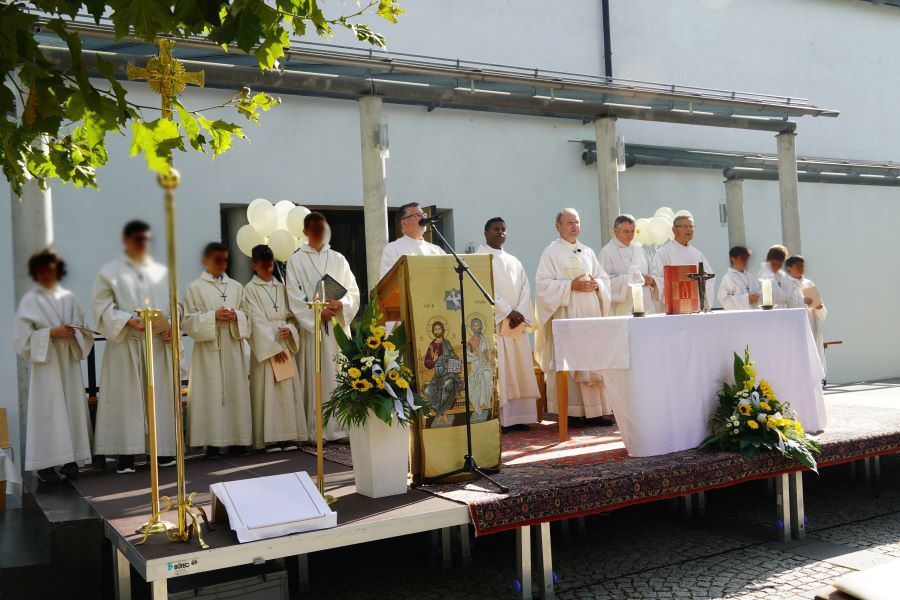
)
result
[(423, 293)]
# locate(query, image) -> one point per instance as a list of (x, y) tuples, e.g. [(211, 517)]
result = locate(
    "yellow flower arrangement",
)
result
[(362, 385), (354, 372), (402, 383), (744, 409), (393, 374), (765, 406), (378, 377), (772, 422), (752, 424), (389, 345), (373, 342), (377, 330)]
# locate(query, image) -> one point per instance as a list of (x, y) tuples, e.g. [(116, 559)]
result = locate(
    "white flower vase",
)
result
[(380, 457)]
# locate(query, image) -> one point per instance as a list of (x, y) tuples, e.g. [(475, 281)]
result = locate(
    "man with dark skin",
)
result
[(495, 237)]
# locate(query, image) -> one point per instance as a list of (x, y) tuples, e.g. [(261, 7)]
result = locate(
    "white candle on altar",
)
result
[(766, 291), (637, 299)]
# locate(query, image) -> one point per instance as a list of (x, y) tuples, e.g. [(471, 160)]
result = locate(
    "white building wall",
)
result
[(835, 52)]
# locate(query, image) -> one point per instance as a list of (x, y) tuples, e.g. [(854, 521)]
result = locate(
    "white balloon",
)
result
[(282, 243), (247, 238), (253, 204), (263, 217), (294, 220), (664, 210), (282, 208), (660, 229), (642, 231)]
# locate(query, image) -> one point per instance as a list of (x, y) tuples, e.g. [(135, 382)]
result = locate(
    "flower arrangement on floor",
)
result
[(750, 419), (371, 374)]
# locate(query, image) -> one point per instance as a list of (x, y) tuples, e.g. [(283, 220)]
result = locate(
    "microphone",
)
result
[(428, 221)]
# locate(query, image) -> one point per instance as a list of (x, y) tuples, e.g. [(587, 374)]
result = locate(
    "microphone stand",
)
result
[(469, 464)]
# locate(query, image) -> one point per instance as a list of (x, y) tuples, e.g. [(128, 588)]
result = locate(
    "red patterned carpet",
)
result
[(592, 472)]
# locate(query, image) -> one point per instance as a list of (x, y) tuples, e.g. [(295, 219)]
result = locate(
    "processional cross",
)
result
[(701, 276), (165, 75)]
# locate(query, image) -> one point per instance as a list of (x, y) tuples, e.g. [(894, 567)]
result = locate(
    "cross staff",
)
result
[(165, 75), (700, 277)]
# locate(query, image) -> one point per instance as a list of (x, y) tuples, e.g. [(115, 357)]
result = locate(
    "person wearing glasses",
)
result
[(125, 285), (679, 252), (219, 388), (412, 242)]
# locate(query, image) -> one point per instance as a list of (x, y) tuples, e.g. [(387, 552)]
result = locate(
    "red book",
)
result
[(680, 294)]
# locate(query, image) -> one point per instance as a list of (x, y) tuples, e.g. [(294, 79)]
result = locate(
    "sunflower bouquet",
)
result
[(750, 419), (371, 374)]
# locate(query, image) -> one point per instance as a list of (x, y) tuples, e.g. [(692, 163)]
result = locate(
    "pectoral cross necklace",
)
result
[(223, 291), (274, 298)]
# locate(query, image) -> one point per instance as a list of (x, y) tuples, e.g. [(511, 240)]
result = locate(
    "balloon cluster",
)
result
[(280, 226), (657, 230)]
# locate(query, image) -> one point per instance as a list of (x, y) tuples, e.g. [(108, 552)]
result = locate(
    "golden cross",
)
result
[(165, 75)]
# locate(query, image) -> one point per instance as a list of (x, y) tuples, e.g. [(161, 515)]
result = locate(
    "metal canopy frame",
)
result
[(736, 164), (347, 72)]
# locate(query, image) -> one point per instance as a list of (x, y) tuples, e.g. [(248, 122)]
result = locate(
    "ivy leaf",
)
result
[(191, 128), (156, 139), (249, 105), (220, 133), (272, 48)]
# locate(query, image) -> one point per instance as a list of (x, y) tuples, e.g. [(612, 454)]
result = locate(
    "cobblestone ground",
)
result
[(650, 552)]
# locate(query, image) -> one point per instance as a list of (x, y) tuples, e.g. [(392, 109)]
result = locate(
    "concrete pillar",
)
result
[(734, 209), (374, 177), (32, 231), (787, 188), (607, 175)]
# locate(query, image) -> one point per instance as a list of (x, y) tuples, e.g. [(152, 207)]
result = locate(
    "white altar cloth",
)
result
[(675, 366)]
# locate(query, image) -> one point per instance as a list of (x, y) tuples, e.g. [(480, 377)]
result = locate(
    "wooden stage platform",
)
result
[(589, 474)]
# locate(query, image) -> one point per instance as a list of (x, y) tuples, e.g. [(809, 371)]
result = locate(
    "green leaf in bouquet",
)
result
[(383, 407), (343, 342), (739, 375)]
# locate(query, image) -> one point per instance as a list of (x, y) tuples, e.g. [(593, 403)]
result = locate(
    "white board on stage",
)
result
[(265, 507)]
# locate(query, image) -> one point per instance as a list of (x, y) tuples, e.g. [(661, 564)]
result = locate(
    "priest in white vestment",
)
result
[(278, 407), (513, 307), (680, 252), (617, 258), (305, 269), (772, 269), (123, 286), (413, 241), (796, 283), (739, 289), (218, 389), (571, 283), (49, 334)]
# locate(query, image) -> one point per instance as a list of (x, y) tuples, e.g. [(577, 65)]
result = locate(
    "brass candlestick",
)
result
[(155, 524), (317, 305)]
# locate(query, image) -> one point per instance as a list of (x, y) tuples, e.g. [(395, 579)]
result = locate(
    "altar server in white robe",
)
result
[(772, 268), (680, 252), (279, 414), (617, 258), (739, 289), (796, 283), (571, 283), (413, 241), (305, 269), (219, 389), (50, 336), (518, 387), (125, 285)]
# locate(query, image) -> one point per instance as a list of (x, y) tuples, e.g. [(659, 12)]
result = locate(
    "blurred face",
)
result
[(137, 245), (409, 223), (495, 235), (624, 233), (569, 227), (740, 262), (264, 269), (796, 270), (46, 276), (216, 263), (315, 233), (776, 264), (683, 230)]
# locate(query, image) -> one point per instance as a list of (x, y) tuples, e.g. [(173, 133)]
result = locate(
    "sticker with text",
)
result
[(179, 567)]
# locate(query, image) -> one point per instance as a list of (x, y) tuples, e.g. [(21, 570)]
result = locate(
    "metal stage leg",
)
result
[(545, 555), (687, 507), (867, 470), (298, 573), (159, 589), (783, 507), (465, 546), (852, 464), (523, 560), (582, 525), (798, 519), (700, 504), (122, 570), (446, 549), (876, 467)]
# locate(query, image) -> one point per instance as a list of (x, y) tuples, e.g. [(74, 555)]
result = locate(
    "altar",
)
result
[(663, 372)]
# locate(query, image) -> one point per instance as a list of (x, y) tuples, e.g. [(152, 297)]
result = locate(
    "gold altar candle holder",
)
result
[(155, 524), (317, 304)]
